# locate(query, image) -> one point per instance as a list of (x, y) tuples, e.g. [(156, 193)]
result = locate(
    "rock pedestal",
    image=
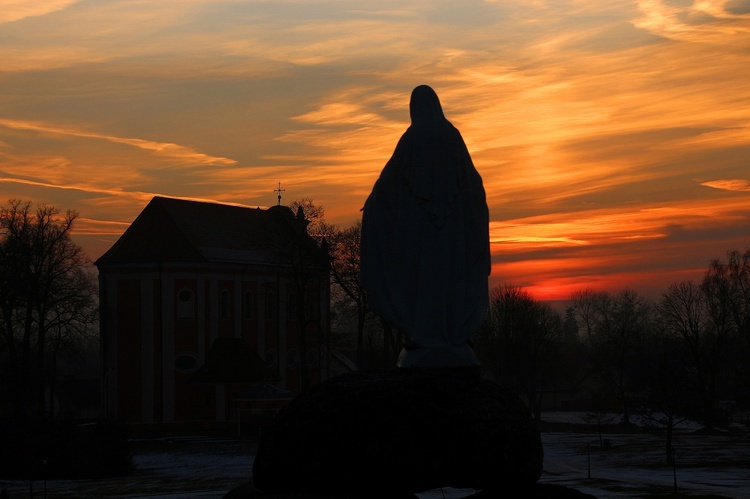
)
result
[(397, 433)]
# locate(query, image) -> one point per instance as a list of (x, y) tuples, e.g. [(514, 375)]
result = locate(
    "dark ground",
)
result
[(708, 466)]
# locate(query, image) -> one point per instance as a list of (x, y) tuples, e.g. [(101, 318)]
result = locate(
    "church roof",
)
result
[(179, 230)]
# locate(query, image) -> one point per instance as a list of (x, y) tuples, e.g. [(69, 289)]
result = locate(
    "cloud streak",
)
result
[(737, 185), (185, 154), (16, 10)]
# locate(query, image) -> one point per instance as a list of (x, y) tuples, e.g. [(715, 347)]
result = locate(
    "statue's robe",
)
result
[(425, 240)]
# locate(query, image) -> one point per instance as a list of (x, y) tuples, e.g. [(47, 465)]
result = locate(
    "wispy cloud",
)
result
[(92, 227), (709, 21), (15, 10), (136, 196), (738, 185), (187, 155)]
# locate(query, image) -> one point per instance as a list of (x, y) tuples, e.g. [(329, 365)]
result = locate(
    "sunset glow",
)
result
[(613, 138)]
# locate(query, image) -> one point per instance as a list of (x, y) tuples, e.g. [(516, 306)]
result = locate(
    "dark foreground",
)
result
[(708, 466)]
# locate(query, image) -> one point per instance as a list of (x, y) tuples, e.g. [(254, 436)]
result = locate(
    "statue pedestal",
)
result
[(392, 434)]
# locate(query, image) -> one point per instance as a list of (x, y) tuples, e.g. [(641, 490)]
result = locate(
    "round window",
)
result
[(272, 358), (312, 358), (292, 359), (186, 362)]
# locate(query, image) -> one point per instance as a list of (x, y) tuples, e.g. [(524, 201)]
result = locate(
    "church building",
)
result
[(203, 302)]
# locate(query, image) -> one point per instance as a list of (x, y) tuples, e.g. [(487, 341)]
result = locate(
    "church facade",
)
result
[(201, 302)]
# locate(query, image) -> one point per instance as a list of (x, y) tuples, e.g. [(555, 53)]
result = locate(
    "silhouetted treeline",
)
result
[(520, 344), (685, 354), (48, 307), (48, 313)]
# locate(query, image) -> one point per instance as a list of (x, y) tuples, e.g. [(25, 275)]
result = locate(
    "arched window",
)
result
[(292, 358), (271, 307), (291, 307), (185, 304), (313, 358), (249, 305), (225, 306)]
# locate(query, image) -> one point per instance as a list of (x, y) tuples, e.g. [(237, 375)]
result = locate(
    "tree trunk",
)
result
[(670, 427), (624, 402), (41, 400), (53, 377)]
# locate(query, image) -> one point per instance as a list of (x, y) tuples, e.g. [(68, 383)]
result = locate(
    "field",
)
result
[(633, 465), (713, 465)]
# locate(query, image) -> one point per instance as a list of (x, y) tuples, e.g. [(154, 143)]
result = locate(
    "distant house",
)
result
[(200, 302)]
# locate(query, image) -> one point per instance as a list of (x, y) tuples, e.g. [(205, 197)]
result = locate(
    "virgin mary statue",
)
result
[(425, 241)]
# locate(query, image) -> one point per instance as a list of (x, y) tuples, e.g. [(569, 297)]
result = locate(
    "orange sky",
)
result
[(613, 137)]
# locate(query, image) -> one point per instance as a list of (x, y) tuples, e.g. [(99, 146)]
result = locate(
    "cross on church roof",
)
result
[(279, 190)]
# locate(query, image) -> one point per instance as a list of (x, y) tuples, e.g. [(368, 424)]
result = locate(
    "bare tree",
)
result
[(585, 305), (519, 339), (314, 215), (665, 372), (345, 267), (730, 282), (625, 323), (615, 325), (691, 312), (46, 294), (345, 248)]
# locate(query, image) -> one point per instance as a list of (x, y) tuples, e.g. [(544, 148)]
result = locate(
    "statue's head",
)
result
[(425, 106)]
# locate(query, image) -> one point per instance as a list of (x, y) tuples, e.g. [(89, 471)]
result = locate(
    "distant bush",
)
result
[(65, 451)]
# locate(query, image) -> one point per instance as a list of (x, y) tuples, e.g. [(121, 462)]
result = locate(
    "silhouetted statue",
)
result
[(425, 241)]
